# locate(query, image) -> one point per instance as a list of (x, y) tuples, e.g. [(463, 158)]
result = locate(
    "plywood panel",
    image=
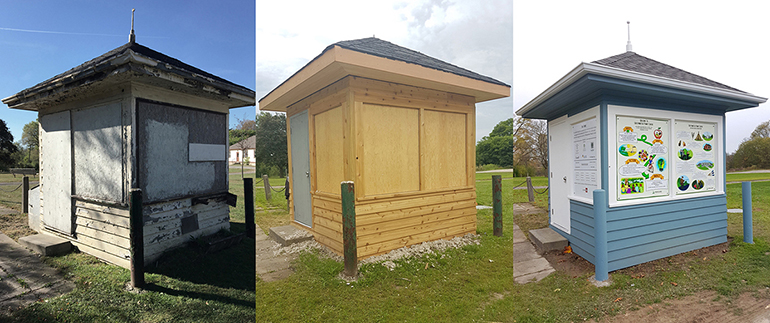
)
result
[(328, 151), (444, 150), (390, 142)]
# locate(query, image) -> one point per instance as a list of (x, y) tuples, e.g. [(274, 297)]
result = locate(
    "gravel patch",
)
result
[(387, 260)]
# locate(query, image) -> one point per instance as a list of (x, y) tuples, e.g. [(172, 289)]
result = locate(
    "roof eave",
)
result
[(125, 62), (597, 69), (338, 62)]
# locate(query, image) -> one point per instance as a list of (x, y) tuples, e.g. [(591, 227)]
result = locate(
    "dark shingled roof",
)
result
[(631, 61), (381, 48), (146, 51)]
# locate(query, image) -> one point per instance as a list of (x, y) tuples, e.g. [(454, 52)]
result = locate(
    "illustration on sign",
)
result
[(696, 160), (642, 157)]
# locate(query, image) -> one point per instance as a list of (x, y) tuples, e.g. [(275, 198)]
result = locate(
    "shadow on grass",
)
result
[(233, 267), (201, 296)]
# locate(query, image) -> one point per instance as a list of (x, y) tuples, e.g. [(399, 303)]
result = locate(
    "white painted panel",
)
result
[(207, 152), (98, 152), (56, 171), (559, 150)]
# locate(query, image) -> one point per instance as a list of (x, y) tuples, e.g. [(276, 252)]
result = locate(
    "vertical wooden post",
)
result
[(25, 194), (136, 222), (497, 205), (266, 182), (248, 204), (748, 230), (349, 229), (530, 190), (600, 235)]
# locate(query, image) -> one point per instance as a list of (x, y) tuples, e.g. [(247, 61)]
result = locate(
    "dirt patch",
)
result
[(575, 266), (15, 226), (702, 307)]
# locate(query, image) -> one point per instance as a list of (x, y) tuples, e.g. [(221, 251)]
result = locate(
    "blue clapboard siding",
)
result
[(642, 233)]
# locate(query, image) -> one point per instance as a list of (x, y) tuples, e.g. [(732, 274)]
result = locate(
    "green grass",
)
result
[(747, 177), (464, 286), (186, 286)]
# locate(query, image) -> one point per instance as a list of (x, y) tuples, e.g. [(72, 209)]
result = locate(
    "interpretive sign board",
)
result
[(642, 157), (695, 158), (585, 149)]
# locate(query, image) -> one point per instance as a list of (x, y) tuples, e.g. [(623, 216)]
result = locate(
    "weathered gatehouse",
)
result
[(636, 159), (132, 118), (396, 122)]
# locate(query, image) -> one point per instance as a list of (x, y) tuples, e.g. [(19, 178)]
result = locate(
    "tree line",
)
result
[(271, 150), (19, 154), (754, 151), (518, 143)]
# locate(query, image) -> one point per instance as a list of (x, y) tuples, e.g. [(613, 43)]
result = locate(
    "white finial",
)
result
[(628, 45), (132, 37)]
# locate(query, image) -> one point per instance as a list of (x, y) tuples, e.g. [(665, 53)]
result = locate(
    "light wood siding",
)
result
[(328, 150), (103, 232), (390, 149), (386, 224), (408, 151), (163, 224), (327, 222), (642, 233), (443, 156)]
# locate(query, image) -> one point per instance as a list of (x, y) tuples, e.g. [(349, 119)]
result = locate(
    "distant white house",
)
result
[(243, 148)]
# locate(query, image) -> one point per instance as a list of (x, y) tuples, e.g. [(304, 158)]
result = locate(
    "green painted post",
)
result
[(25, 194), (748, 230), (497, 206), (349, 229), (248, 203), (136, 222)]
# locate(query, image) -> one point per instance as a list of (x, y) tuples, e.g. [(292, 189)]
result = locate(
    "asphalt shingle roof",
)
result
[(631, 61), (179, 66), (385, 49), (248, 143)]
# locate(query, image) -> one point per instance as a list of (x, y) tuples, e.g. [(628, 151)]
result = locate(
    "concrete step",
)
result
[(46, 245), (288, 234), (546, 239)]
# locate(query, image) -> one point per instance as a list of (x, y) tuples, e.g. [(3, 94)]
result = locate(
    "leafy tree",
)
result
[(753, 153), (29, 135), (7, 147), (495, 150), (271, 150), (761, 131)]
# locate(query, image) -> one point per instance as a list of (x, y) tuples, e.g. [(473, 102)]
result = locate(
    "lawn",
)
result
[(186, 286), (475, 282)]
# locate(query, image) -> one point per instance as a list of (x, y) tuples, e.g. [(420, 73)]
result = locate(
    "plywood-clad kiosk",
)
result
[(132, 118), (653, 138), (400, 125)]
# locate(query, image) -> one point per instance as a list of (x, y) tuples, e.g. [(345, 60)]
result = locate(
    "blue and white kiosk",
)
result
[(636, 159)]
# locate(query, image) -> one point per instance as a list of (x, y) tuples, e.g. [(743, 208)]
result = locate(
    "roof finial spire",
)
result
[(628, 45), (132, 37)]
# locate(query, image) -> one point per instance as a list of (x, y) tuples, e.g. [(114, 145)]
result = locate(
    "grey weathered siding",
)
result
[(163, 224)]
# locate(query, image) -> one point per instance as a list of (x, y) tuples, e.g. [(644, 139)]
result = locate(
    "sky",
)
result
[(473, 34), (40, 39), (724, 43)]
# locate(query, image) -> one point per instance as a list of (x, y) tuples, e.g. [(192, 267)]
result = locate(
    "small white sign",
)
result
[(207, 152)]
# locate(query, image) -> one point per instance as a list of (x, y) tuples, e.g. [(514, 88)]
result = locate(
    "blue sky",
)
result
[(215, 36)]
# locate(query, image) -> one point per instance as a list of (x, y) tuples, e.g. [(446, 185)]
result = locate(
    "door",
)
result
[(560, 170), (300, 168), (56, 166)]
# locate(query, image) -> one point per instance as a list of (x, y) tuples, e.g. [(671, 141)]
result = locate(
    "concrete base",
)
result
[(46, 245), (287, 235), (546, 239)]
